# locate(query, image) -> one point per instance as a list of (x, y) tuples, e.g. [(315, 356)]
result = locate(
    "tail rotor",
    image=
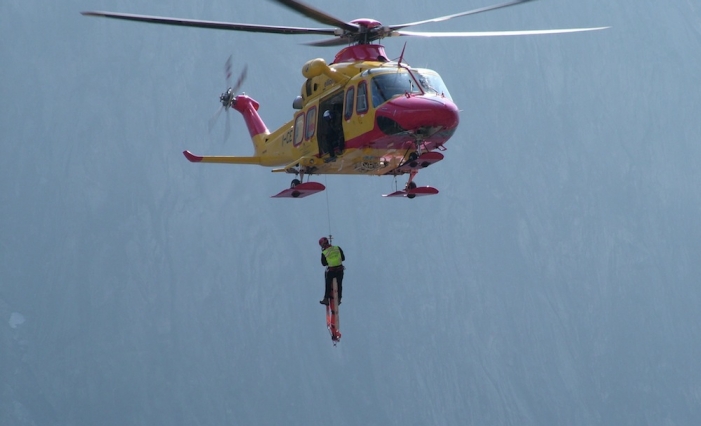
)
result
[(228, 98)]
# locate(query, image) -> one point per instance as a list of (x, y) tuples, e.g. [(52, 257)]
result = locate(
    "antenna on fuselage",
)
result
[(401, 57)]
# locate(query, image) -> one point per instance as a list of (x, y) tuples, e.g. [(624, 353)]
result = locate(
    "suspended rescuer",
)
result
[(332, 257)]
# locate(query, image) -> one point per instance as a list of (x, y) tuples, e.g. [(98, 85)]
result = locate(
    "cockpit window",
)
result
[(431, 82), (362, 105), (388, 85)]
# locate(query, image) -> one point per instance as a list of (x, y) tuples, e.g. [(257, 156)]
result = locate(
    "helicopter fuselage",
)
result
[(377, 112)]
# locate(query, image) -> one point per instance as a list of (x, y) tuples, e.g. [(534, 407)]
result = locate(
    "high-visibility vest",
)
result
[(333, 256)]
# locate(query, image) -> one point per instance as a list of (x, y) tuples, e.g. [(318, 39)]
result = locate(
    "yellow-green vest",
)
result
[(333, 256)]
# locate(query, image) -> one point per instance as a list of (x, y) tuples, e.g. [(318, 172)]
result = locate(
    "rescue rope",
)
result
[(328, 209)]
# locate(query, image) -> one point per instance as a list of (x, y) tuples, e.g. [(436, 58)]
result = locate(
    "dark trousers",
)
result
[(330, 275)]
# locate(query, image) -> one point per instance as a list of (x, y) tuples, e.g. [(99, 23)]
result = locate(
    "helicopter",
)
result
[(361, 114)]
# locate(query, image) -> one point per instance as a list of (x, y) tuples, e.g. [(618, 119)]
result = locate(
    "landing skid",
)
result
[(301, 190), (412, 166), (419, 191)]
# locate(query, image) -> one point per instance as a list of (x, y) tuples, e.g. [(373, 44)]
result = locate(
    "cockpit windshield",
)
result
[(388, 85), (431, 82), (385, 86)]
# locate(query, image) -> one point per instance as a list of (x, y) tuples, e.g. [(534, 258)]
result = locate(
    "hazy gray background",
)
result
[(553, 281)]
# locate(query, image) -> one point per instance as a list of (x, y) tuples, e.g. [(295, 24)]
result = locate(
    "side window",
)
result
[(350, 96), (376, 92), (311, 123), (362, 104), (299, 129)]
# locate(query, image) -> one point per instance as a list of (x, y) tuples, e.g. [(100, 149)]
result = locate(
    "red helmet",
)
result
[(323, 241)]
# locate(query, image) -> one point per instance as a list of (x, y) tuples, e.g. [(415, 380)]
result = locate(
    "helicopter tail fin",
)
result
[(248, 108), (221, 159)]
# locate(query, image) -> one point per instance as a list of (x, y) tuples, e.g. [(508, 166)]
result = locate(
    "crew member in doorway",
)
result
[(334, 132), (332, 257)]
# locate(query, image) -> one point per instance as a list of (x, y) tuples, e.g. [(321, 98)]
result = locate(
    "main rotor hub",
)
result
[(367, 23), (369, 31), (362, 52)]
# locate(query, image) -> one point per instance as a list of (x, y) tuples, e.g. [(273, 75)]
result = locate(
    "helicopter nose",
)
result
[(416, 113)]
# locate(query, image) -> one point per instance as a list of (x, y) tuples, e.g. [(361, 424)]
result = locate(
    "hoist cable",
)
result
[(328, 209)]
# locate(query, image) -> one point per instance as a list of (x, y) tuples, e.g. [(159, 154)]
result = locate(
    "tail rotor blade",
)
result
[(215, 117), (227, 129), (228, 97), (227, 71), (241, 79)]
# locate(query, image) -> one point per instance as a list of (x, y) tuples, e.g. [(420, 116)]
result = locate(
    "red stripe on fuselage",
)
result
[(413, 115)]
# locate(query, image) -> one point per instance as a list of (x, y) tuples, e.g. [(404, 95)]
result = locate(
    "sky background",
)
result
[(554, 280)]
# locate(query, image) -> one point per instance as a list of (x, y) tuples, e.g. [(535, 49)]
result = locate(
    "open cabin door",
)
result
[(330, 125)]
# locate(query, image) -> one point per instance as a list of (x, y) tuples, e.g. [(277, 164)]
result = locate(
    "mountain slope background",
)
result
[(554, 280)]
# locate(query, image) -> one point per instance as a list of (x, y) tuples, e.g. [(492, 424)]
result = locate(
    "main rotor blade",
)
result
[(318, 15), (231, 26), (493, 33), (457, 15), (338, 41)]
